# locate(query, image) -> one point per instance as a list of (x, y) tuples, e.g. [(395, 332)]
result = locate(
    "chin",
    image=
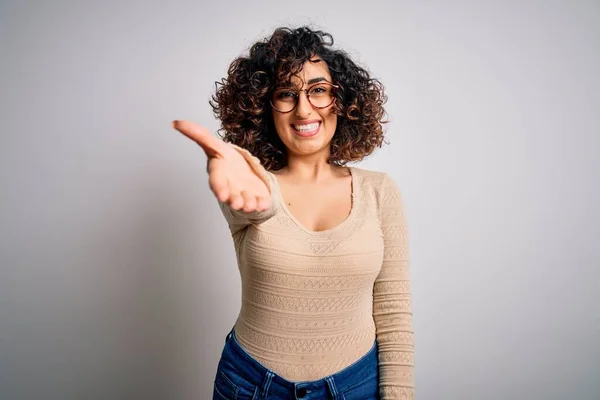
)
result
[(306, 147)]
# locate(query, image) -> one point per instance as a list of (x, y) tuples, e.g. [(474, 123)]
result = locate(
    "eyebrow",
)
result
[(315, 80), (289, 85)]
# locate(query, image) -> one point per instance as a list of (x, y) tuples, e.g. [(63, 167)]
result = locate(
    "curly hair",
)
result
[(242, 100)]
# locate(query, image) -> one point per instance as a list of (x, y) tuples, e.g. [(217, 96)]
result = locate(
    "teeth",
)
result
[(307, 127)]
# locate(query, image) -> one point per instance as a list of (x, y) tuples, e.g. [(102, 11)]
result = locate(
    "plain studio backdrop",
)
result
[(118, 277)]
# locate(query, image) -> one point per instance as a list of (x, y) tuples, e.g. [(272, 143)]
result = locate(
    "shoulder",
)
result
[(378, 188), (374, 180)]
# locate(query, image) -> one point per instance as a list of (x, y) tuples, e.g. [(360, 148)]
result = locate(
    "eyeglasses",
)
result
[(319, 95)]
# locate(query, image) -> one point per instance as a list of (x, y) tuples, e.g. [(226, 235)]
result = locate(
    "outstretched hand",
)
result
[(230, 177)]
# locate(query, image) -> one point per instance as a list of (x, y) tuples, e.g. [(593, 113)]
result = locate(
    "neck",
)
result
[(311, 168)]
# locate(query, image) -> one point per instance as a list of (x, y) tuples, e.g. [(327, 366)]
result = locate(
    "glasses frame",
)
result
[(307, 97)]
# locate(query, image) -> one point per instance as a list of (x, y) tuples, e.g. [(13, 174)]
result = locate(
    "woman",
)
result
[(322, 248)]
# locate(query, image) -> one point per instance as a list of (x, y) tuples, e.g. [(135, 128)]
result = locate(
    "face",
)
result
[(307, 130)]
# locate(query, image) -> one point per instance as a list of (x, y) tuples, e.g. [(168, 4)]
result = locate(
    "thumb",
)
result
[(211, 145)]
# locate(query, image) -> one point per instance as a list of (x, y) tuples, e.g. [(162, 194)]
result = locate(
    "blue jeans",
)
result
[(241, 377)]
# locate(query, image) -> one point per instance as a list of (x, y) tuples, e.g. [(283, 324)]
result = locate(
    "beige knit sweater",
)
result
[(314, 302)]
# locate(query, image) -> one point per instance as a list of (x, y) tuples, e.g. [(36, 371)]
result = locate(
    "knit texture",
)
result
[(314, 302)]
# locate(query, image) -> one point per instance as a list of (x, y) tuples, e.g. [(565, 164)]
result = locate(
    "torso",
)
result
[(307, 278)]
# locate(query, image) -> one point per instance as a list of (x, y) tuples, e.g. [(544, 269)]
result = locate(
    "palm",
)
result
[(231, 178)]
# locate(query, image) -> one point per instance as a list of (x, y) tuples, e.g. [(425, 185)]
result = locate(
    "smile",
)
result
[(307, 130)]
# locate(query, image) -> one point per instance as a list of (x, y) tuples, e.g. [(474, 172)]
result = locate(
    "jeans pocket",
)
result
[(224, 388), (368, 389)]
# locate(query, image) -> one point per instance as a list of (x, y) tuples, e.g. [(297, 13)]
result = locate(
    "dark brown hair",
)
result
[(242, 100)]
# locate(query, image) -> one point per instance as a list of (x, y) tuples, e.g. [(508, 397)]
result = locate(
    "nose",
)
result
[(304, 108)]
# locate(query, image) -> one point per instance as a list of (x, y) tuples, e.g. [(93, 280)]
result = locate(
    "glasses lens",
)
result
[(320, 95), (284, 100)]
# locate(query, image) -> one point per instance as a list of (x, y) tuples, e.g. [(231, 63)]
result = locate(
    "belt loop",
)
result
[(333, 389), (264, 390)]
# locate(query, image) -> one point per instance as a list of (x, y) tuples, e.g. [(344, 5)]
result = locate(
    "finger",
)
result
[(211, 145), (249, 201), (236, 201), (262, 203)]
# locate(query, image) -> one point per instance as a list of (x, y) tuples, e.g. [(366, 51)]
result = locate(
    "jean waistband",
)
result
[(338, 382)]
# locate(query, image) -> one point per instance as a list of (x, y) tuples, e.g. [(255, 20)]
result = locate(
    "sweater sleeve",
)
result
[(239, 219), (392, 310)]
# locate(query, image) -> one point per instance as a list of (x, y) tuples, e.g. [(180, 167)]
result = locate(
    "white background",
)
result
[(117, 272)]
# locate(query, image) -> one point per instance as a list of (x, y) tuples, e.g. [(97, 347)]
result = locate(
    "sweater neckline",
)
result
[(338, 227)]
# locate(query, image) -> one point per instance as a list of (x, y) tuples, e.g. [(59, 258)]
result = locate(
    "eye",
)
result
[(319, 90), (286, 94)]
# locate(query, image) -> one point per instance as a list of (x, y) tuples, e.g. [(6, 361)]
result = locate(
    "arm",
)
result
[(392, 300)]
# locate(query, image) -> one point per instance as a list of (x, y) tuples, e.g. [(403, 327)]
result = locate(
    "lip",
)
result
[(306, 133)]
